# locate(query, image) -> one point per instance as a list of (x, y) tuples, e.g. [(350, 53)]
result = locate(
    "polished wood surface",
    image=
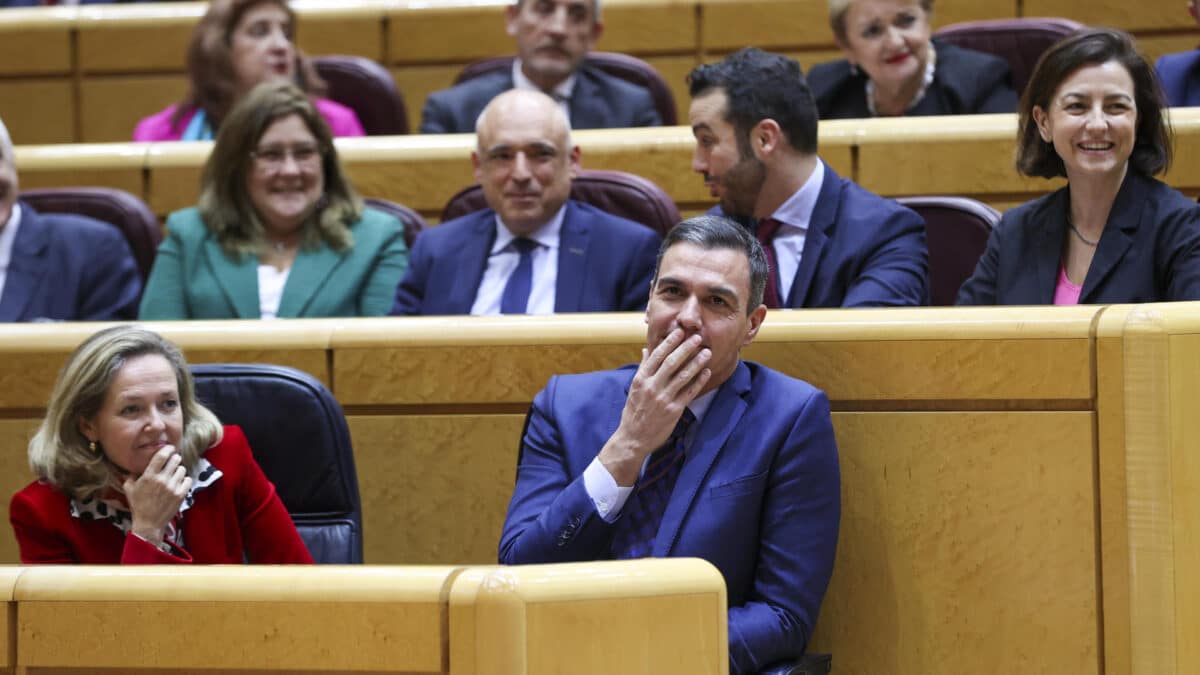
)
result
[(1017, 482), (87, 50)]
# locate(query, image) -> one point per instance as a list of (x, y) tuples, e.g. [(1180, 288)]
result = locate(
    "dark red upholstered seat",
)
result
[(956, 231), (1018, 41), (368, 89), (619, 193), (116, 207), (413, 222), (628, 68)]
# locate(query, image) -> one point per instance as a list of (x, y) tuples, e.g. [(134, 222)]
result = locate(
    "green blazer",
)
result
[(192, 278)]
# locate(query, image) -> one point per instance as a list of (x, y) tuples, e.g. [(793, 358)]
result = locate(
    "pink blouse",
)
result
[(1065, 292), (157, 127)]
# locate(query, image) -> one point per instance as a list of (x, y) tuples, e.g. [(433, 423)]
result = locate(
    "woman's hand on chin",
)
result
[(155, 496)]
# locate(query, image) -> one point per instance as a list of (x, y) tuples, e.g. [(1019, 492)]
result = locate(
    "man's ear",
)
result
[(765, 138), (477, 166), (597, 32), (511, 14), (573, 163), (756, 319)]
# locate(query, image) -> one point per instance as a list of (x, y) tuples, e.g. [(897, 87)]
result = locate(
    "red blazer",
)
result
[(239, 513)]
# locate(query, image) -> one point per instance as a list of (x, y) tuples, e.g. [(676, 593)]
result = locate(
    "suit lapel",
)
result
[(823, 218), (310, 273), (27, 267), (1127, 211), (238, 280), (572, 260), (471, 260), (1047, 237), (718, 423)]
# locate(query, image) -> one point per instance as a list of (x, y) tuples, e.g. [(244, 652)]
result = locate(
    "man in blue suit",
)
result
[(553, 38), (1180, 73), (57, 267), (830, 243), (693, 452), (534, 251)]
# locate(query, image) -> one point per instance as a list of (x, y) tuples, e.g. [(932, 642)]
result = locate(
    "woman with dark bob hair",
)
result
[(278, 232), (1093, 112), (131, 469), (238, 45)]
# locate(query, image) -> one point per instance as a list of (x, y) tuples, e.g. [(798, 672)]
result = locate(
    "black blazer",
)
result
[(599, 101), (964, 82), (1149, 252)]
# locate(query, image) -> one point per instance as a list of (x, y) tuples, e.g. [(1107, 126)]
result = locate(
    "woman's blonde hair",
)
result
[(59, 452), (225, 205), (838, 9)]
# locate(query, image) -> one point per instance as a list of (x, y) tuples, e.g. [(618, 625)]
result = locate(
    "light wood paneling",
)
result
[(173, 175), (957, 530), (666, 615), (417, 82), (36, 42), (115, 104), (355, 28), (161, 33), (649, 26), (119, 166), (769, 24), (328, 619), (1149, 15), (14, 475), (418, 474), (417, 32), (38, 110), (675, 69)]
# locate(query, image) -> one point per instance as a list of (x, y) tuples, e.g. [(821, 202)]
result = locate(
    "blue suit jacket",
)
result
[(605, 264), (861, 250), (758, 496), (1180, 77), (1149, 252), (599, 101), (69, 268)]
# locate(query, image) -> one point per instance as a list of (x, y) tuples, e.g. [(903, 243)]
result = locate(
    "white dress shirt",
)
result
[(561, 93), (8, 236), (502, 262), (270, 290), (599, 484), (795, 214)]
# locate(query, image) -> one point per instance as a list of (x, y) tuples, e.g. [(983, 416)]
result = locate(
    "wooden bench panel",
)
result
[(39, 110), (116, 103)]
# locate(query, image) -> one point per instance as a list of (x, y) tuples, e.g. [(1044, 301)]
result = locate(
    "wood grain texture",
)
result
[(417, 32), (1149, 15), (968, 541), (103, 165), (14, 475), (115, 104), (32, 45), (39, 110), (434, 488)]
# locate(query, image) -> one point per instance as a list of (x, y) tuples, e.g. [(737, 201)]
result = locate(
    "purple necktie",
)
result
[(638, 526), (767, 227)]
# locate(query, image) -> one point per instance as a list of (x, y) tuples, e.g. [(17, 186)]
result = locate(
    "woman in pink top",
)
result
[(237, 45)]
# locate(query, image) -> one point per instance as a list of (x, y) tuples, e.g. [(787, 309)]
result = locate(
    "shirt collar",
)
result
[(560, 93), (700, 404), (8, 235), (547, 235), (796, 212)]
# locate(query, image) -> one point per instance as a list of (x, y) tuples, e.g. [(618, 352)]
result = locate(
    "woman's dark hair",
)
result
[(210, 69), (1093, 47)]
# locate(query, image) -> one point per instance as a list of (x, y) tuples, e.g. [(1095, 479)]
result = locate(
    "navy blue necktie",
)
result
[(516, 292), (643, 513)]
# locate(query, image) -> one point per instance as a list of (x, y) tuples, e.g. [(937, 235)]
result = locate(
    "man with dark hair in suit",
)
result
[(830, 242), (693, 452), (57, 267), (553, 38), (534, 251)]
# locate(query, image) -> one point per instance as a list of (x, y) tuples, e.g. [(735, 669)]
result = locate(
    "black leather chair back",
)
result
[(299, 437), (368, 89), (116, 207), (956, 231), (1018, 41), (628, 68), (616, 192), (413, 222)]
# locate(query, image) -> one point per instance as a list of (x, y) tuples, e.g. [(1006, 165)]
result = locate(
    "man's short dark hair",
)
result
[(1152, 143), (760, 85), (711, 232)]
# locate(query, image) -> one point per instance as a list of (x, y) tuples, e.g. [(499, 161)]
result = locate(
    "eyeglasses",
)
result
[(273, 157)]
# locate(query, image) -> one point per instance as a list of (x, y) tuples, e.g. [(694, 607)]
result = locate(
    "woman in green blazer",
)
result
[(278, 231)]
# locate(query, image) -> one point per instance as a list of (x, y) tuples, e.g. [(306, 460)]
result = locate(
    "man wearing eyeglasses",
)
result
[(58, 267), (533, 251), (553, 38)]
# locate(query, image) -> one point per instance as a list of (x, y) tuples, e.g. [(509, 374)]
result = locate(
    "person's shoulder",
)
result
[(377, 223), (483, 87), (186, 223), (457, 228), (964, 61), (1162, 196), (781, 389), (231, 451), (1178, 60), (595, 381), (39, 493), (612, 223), (825, 78), (613, 84), (160, 126)]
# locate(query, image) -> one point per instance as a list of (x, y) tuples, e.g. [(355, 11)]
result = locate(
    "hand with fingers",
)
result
[(155, 496), (668, 379)]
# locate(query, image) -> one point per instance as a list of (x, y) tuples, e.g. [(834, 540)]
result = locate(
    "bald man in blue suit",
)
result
[(692, 452)]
